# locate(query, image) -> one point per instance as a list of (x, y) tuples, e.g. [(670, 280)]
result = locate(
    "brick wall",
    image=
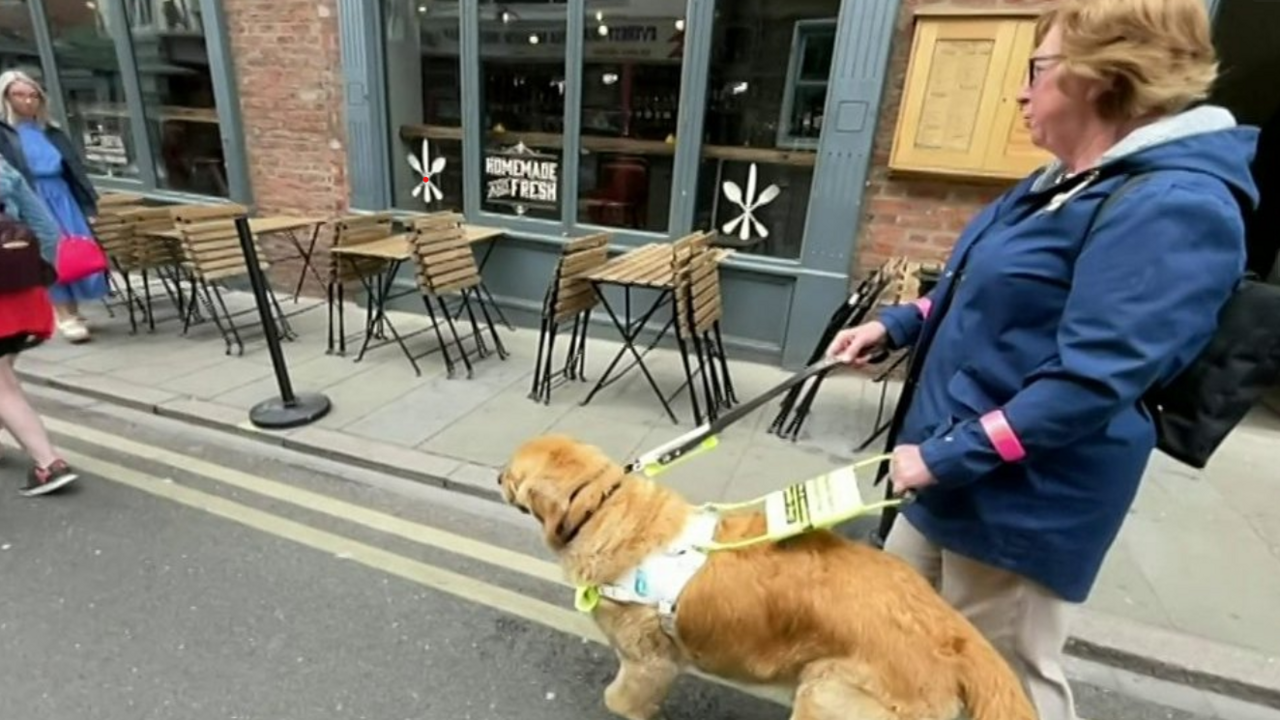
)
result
[(289, 79), (919, 218)]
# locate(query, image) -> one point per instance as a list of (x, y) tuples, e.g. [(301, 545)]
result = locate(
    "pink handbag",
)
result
[(78, 258)]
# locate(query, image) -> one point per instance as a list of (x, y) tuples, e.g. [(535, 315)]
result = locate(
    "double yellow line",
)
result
[(461, 586)]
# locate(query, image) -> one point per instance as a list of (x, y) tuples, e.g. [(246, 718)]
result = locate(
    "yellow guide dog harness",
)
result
[(819, 503)]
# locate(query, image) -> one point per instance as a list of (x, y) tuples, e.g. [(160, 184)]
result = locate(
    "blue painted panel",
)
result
[(364, 97)]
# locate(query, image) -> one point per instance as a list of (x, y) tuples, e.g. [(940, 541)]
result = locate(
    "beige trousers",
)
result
[(1024, 621)]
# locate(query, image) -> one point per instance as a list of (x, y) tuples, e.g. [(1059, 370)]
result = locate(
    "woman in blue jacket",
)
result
[(1025, 438)]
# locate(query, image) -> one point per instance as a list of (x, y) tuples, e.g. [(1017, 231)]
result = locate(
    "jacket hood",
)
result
[(1205, 139)]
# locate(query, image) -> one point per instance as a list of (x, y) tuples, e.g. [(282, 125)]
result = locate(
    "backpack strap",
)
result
[(1130, 183)]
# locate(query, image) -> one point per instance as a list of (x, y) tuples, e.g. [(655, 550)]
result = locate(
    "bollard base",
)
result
[(276, 415)]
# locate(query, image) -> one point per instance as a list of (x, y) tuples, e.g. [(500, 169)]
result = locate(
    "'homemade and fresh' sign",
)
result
[(522, 178)]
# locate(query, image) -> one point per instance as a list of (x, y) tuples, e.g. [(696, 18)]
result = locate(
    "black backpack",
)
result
[(1195, 411)]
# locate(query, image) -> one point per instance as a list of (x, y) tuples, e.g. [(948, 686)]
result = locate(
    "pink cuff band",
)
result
[(924, 305), (1002, 437)]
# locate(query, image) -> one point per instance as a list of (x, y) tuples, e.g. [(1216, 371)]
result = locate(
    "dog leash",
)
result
[(705, 437)]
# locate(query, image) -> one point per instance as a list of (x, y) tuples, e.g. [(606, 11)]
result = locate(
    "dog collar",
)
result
[(573, 534)]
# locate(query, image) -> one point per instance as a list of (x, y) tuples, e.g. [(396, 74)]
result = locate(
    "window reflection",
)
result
[(766, 94), (18, 41), (522, 49), (92, 86), (630, 105), (177, 95), (425, 104)]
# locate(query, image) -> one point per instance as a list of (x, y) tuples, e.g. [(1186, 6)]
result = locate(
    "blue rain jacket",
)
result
[(1056, 330)]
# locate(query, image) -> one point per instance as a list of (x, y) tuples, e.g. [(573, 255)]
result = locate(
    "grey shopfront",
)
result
[(649, 119), (143, 86)]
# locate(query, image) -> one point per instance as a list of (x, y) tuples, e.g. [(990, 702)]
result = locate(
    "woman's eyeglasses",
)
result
[(1037, 65)]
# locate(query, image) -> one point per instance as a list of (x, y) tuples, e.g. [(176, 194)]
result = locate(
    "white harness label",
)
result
[(819, 503)]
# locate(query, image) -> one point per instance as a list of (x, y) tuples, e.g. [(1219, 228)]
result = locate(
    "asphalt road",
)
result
[(191, 576)]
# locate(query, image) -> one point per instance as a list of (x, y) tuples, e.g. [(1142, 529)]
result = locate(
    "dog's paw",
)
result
[(615, 698)]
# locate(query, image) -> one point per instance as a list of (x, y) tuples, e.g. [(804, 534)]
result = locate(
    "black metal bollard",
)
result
[(288, 410)]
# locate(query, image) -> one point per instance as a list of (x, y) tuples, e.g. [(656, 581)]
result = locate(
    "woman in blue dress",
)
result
[(50, 163)]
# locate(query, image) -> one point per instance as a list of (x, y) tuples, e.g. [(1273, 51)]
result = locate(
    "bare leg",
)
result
[(21, 419), (640, 687), (67, 310)]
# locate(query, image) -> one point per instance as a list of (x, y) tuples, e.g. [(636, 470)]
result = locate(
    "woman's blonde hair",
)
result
[(7, 113), (1157, 55)]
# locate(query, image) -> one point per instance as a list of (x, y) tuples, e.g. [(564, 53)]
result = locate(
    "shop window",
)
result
[(522, 85), (93, 87), (177, 95), (630, 106), (425, 104), (763, 120), (175, 16), (812, 48), (18, 49)]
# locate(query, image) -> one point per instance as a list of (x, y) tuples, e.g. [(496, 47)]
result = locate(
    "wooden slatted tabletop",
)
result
[(258, 226), (646, 266), (399, 247), (395, 247), (480, 233)]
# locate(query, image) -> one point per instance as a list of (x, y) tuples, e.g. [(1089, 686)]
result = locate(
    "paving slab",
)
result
[(315, 375), (158, 363), (487, 434), (212, 382), (619, 437), (105, 387), (437, 404), (1124, 589), (1187, 538), (353, 449), (209, 414)]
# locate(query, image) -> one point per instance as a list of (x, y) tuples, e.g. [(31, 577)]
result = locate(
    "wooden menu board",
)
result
[(959, 114)]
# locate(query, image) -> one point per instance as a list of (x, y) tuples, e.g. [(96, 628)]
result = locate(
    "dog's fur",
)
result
[(854, 631)]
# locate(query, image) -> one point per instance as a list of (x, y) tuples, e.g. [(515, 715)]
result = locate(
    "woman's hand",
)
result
[(856, 346), (908, 470)]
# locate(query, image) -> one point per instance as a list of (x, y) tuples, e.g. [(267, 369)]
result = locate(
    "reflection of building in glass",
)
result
[(178, 110)]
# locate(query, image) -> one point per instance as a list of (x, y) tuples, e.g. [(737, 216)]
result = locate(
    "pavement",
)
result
[(198, 574), (1188, 594)]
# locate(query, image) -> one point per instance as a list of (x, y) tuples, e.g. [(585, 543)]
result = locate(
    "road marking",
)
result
[(461, 586), (323, 504)]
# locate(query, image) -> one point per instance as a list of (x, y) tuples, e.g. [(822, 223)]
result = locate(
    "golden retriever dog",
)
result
[(854, 632)]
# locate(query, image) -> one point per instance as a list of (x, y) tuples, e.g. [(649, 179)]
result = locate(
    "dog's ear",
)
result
[(561, 482), (556, 491), (536, 496), (583, 502)]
